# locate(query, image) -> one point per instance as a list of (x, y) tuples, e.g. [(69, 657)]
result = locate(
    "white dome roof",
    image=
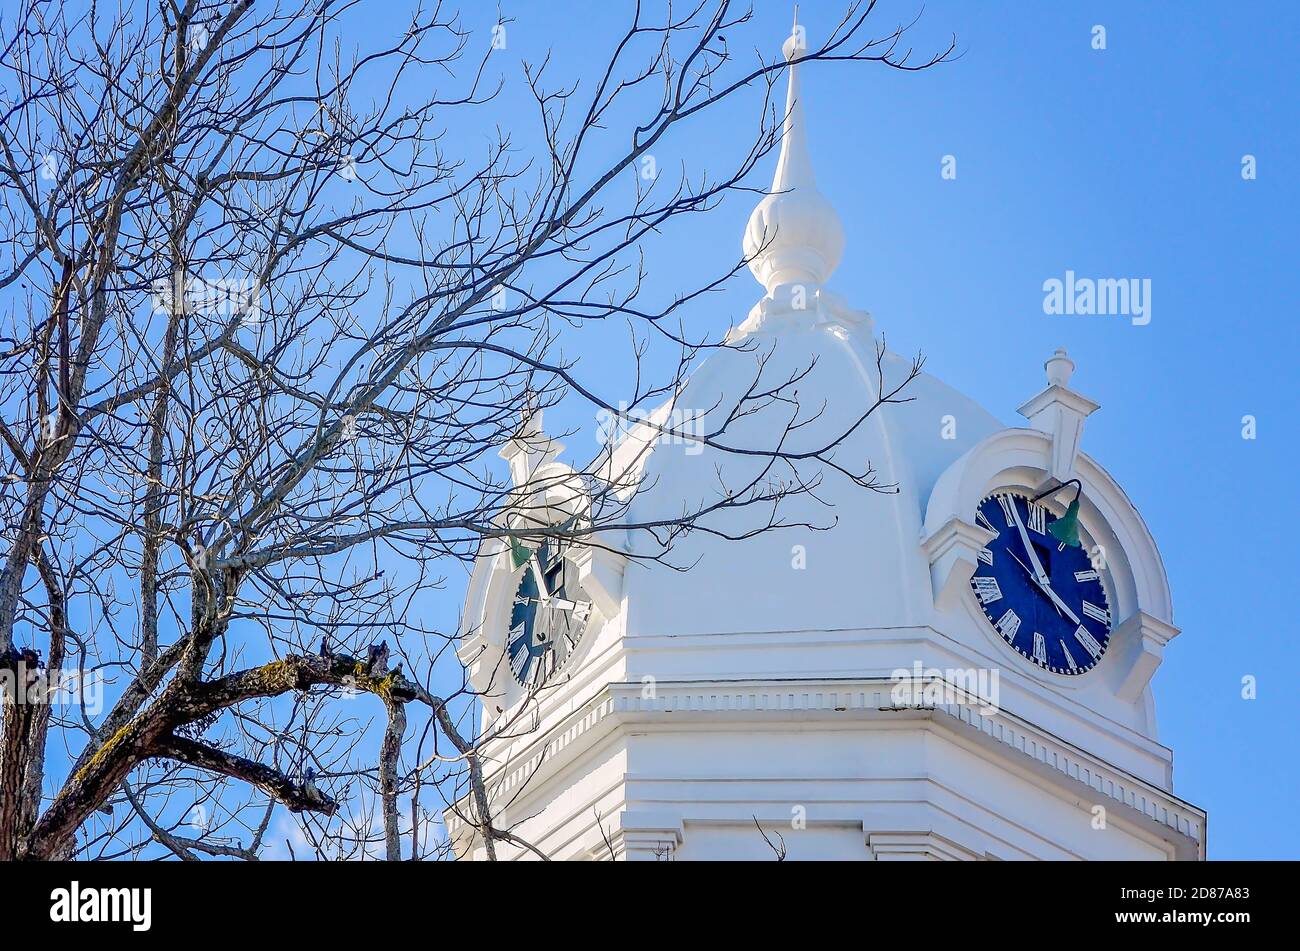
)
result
[(865, 568)]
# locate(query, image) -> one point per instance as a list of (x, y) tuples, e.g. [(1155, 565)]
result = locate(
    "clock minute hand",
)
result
[(540, 577), (1039, 574)]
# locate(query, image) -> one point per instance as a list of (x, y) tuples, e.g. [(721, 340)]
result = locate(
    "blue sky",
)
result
[(1123, 162)]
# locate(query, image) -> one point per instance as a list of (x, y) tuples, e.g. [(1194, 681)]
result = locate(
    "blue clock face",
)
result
[(1045, 599), (548, 617)]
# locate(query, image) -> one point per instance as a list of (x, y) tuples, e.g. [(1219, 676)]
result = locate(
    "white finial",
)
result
[(530, 418), (794, 236), (529, 448), (1060, 412), (1059, 366)]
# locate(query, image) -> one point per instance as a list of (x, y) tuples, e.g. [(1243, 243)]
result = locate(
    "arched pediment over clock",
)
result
[(1027, 459)]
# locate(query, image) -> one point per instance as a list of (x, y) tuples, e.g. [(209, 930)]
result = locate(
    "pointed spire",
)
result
[(794, 167), (794, 236)]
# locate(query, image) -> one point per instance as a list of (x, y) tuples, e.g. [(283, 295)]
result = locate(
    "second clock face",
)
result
[(548, 618), (1045, 599)]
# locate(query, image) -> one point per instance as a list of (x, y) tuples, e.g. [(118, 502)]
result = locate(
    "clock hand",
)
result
[(540, 577), (1039, 574), (1060, 604), (1032, 577), (560, 604), (563, 604), (574, 612), (1062, 608), (1028, 570)]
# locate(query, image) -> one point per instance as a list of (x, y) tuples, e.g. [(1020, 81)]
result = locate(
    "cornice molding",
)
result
[(851, 704)]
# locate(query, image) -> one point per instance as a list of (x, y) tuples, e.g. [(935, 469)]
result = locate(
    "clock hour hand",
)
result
[(1062, 608), (1032, 577), (578, 609), (574, 607), (1056, 599), (573, 612)]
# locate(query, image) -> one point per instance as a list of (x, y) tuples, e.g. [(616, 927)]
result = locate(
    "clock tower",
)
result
[(960, 669)]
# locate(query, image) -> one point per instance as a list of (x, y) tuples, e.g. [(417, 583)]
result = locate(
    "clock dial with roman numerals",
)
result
[(1044, 599), (549, 616)]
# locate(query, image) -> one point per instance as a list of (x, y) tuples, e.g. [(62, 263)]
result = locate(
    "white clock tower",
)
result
[(936, 676)]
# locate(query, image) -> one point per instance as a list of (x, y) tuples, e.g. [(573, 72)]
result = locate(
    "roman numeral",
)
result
[(545, 667), (1008, 624), (582, 612), (1037, 518), (1085, 576), (1040, 649), (983, 522), (986, 589), (1088, 641), (985, 556), (1008, 508), (520, 656), (1096, 613), (1069, 658)]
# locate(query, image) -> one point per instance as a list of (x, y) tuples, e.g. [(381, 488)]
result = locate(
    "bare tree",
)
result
[(266, 319), (778, 847)]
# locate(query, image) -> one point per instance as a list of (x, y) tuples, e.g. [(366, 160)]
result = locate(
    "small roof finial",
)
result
[(529, 448), (794, 236), (1059, 366), (530, 415)]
